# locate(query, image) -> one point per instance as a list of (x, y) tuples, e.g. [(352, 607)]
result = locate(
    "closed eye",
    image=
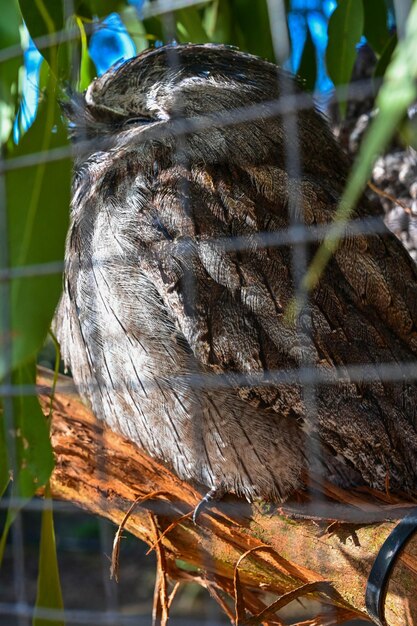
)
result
[(134, 121)]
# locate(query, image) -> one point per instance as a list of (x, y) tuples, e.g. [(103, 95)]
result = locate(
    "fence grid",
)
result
[(298, 235)]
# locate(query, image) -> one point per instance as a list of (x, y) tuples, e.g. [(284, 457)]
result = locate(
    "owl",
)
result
[(179, 275)]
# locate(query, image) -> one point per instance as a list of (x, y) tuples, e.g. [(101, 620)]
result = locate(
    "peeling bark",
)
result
[(104, 473)]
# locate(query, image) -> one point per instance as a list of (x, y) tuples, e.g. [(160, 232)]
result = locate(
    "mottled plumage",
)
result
[(153, 300)]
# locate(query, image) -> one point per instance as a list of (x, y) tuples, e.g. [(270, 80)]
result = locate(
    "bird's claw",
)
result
[(215, 493)]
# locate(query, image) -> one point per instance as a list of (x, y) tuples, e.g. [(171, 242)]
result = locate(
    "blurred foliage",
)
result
[(34, 190), (32, 216), (345, 30), (397, 93), (49, 594), (375, 26), (9, 70)]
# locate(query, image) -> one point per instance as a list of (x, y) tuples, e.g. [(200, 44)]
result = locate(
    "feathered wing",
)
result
[(130, 357), (167, 279), (230, 306)]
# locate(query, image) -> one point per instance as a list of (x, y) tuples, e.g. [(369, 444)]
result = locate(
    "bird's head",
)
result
[(168, 83), (162, 94)]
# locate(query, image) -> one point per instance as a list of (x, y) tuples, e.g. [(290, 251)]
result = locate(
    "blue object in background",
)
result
[(28, 106), (110, 44), (312, 16)]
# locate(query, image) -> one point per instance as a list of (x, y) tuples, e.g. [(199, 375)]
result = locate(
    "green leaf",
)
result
[(252, 22), (218, 21), (385, 58), (10, 23), (10, 517), (49, 594), (397, 93), (43, 17), (345, 30), (37, 208), (308, 67), (135, 28), (97, 8), (4, 465), (85, 76), (190, 27), (34, 456), (9, 80), (154, 28), (376, 24), (26, 444)]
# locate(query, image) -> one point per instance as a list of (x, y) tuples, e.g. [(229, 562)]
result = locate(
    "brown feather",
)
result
[(155, 297)]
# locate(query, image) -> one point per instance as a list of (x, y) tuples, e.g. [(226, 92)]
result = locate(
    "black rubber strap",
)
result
[(378, 580)]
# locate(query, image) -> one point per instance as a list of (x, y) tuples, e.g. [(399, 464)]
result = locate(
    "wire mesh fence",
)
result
[(90, 597)]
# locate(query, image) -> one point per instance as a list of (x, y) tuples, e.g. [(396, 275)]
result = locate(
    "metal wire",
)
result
[(303, 375), (299, 250), (17, 541), (292, 235), (298, 235), (180, 127), (74, 617)]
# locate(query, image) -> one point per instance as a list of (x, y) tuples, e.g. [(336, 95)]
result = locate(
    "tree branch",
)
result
[(102, 472)]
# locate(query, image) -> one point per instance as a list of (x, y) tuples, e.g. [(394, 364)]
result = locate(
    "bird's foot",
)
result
[(215, 493)]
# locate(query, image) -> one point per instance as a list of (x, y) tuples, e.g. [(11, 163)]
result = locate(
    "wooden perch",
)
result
[(282, 555)]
